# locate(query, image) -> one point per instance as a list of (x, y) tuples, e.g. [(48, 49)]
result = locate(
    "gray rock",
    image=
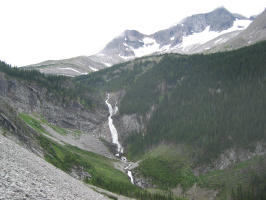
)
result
[(31, 98), (254, 33), (26, 176)]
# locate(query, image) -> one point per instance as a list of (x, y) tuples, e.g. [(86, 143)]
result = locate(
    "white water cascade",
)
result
[(114, 135), (112, 127)]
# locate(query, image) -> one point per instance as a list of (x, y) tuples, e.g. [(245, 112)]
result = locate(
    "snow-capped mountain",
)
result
[(193, 34), (254, 33), (185, 37)]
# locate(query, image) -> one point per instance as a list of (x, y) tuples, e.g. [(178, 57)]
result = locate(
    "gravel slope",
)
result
[(23, 175)]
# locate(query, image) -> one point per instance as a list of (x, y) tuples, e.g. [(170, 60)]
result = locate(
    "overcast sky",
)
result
[(36, 30)]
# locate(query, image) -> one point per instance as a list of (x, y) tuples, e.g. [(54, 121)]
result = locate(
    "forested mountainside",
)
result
[(198, 114), (64, 123), (195, 124)]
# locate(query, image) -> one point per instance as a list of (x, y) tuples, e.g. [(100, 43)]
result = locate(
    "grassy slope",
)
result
[(34, 123), (66, 157), (104, 175), (167, 167)]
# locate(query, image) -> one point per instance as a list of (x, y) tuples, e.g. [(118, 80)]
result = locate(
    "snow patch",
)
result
[(241, 24), (218, 41), (207, 35), (71, 69), (150, 46), (165, 48), (100, 54), (126, 45), (93, 69), (148, 41), (126, 57), (172, 38), (107, 64)]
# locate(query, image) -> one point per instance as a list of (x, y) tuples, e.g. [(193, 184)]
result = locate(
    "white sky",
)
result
[(36, 30)]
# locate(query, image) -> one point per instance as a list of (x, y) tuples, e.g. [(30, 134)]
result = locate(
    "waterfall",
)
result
[(114, 135), (113, 130)]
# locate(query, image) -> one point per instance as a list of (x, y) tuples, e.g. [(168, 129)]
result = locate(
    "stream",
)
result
[(115, 140)]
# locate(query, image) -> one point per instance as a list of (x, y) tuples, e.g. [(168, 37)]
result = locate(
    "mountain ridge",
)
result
[(254, 33), (191, 35)]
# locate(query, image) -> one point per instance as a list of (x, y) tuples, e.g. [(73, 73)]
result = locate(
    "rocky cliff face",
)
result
[(236, 155), (218, 20), (254, 33), (12, 127), (125, 124), (32, 98)]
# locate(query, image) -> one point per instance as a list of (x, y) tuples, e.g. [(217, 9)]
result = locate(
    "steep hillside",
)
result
[(58, 99), (65, 124), (24, 175), (207, 109)]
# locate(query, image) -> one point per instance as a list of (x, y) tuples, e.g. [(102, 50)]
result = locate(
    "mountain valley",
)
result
[(160, 117)]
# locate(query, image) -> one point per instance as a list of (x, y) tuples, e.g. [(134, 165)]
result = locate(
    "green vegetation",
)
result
[(167, 167), (66, 157), (77, 132), (104, 175), (57, 129), (242, 181), (208, 102), (34, 123), (101, 169), (256, 190), (168, 171), (211, 102), (120, 76)]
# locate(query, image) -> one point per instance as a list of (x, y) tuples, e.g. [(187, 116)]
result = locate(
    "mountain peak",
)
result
[(220, 12), (221, 9), (191, 35), (131, 33)]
